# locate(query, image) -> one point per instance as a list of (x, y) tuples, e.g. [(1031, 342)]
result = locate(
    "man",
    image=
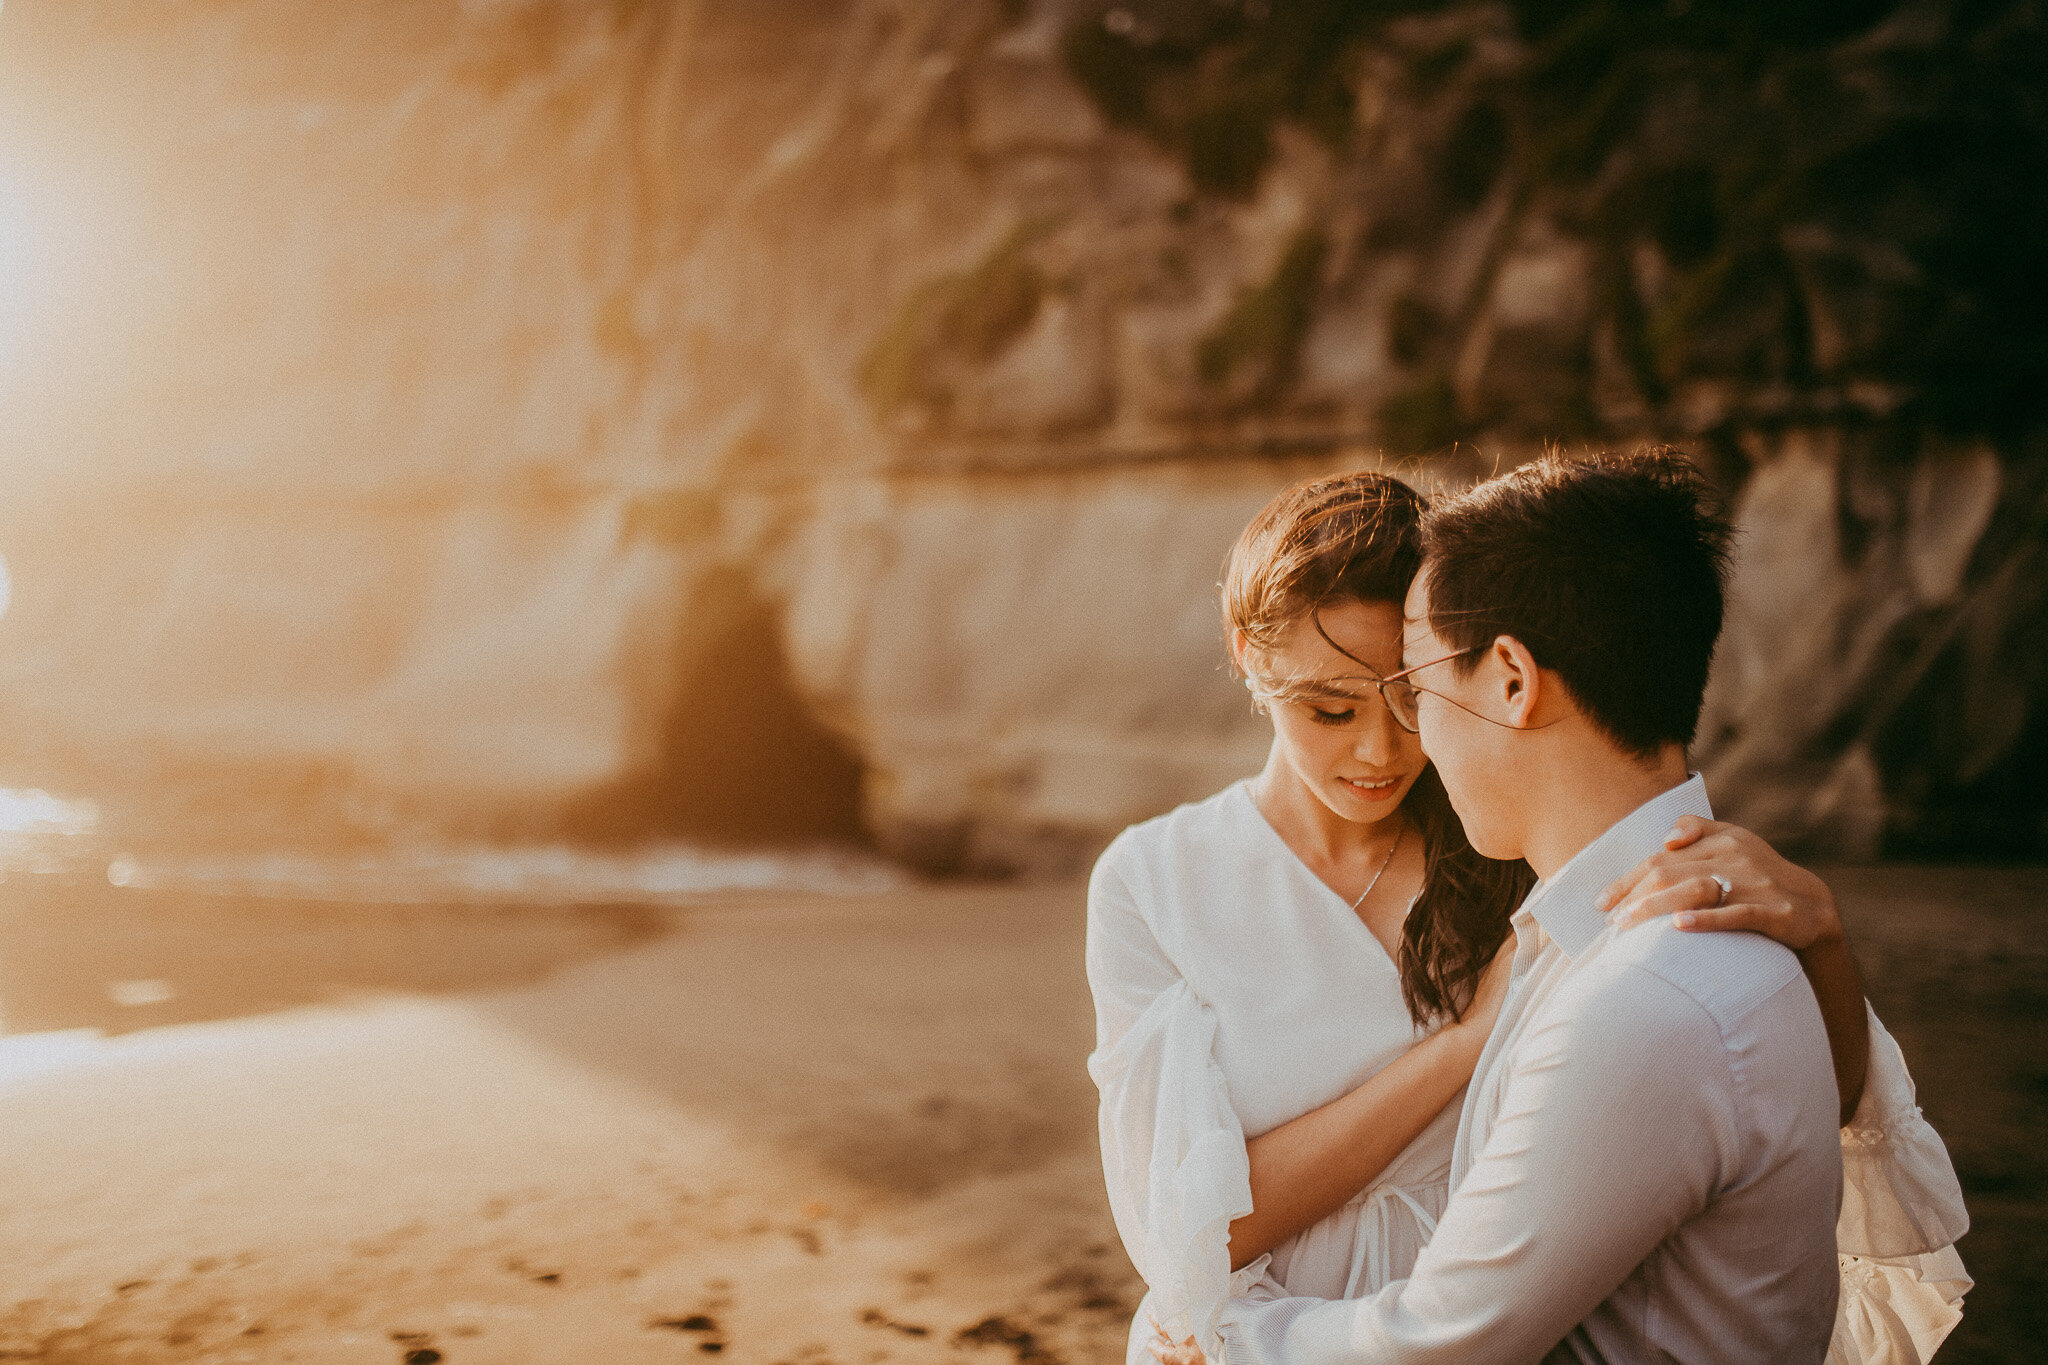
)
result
[(1647, 1165)]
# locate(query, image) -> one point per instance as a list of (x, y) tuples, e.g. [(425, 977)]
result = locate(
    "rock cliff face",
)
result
[(772, 419)]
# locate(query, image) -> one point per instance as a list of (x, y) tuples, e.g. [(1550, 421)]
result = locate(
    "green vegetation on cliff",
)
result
[(1256, 343), (1834, 208), (971, 315)]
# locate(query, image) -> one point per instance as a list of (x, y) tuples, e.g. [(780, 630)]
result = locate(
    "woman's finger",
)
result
[(1627, 885), (1716, 850), (1690, 829), (1722, 918), (1688, 894), (1658, 872)]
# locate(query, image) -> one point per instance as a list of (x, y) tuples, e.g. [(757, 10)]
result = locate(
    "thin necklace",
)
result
[(1385, 863)]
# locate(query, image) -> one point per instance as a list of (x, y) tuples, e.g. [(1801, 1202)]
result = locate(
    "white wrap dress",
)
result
[(1234, 991)]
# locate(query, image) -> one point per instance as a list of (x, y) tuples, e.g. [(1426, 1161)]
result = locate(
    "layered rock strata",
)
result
[(771, 420)]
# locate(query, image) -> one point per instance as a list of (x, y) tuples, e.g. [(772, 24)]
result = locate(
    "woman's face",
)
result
[(1334, 733)]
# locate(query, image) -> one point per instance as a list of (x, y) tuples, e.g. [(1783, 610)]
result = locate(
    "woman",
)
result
[(1294, 978)]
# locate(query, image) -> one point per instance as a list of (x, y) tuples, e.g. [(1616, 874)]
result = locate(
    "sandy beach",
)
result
[(772, 1127), (778, 1128)]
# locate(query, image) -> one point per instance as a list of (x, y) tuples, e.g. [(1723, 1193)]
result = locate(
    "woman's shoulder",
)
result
[(1162, 871), (1196, 830)]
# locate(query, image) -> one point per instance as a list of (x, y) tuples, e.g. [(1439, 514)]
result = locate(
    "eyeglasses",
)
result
[(1403, 698), (1397, 694)]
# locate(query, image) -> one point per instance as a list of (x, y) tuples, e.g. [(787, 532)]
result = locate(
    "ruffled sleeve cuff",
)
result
[(1253, 1282), (1898, 1311), (1174, 1154), (1900, 1196)]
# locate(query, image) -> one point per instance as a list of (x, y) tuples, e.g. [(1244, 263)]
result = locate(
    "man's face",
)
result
[(1468, 751)]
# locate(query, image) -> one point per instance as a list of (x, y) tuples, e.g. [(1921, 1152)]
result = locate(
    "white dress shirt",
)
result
[(1647, 1167)]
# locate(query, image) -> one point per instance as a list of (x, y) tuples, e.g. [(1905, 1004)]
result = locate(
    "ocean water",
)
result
[(41, 833), (98, 940)]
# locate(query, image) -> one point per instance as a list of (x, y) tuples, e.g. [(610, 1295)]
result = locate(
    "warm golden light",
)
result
[(548, 546), (17, 274)]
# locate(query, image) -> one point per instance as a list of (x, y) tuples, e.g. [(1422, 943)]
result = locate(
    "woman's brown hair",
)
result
[(1357, 537)]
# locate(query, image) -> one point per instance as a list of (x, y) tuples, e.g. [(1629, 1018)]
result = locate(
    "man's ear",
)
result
[(1520, 681)]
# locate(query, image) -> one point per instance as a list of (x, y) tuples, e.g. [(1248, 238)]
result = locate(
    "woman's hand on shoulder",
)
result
[(1765, 893)]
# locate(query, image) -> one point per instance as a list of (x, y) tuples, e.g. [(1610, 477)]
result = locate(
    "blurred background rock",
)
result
[(769, 421)]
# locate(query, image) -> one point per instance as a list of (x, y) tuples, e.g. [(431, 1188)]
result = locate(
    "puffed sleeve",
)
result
[(1902, 1211), (1173, 1151)]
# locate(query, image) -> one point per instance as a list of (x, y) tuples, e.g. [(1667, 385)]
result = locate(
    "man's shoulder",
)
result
[(1654, 1003), (1725, 975)]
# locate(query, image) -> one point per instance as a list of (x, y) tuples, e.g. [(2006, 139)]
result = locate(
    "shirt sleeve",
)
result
[(1564, 1201), (1173, 1150), (1902, 1211)]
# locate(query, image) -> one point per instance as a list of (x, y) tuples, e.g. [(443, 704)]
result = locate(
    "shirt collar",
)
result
[(1564, 904)]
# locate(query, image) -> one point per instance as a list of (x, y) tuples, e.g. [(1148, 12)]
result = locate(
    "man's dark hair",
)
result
[(1608, 568)]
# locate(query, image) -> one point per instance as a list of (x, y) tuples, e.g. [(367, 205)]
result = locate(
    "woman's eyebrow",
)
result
[(1329, 687)]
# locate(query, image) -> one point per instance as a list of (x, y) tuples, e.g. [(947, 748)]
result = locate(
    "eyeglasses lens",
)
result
[(1400, 699)]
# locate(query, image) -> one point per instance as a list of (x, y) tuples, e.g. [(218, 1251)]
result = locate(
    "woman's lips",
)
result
[(1376, 789)]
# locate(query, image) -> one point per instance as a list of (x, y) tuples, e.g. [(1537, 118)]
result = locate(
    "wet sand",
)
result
[(774, 1128)]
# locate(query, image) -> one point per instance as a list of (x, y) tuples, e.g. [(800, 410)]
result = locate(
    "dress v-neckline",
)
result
[(1244, 789)]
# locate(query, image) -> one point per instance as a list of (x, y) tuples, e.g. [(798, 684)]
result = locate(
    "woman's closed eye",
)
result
[(1323, 717)]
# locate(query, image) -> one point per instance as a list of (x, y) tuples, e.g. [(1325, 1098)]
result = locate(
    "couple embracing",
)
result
[(1435, 1041)]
